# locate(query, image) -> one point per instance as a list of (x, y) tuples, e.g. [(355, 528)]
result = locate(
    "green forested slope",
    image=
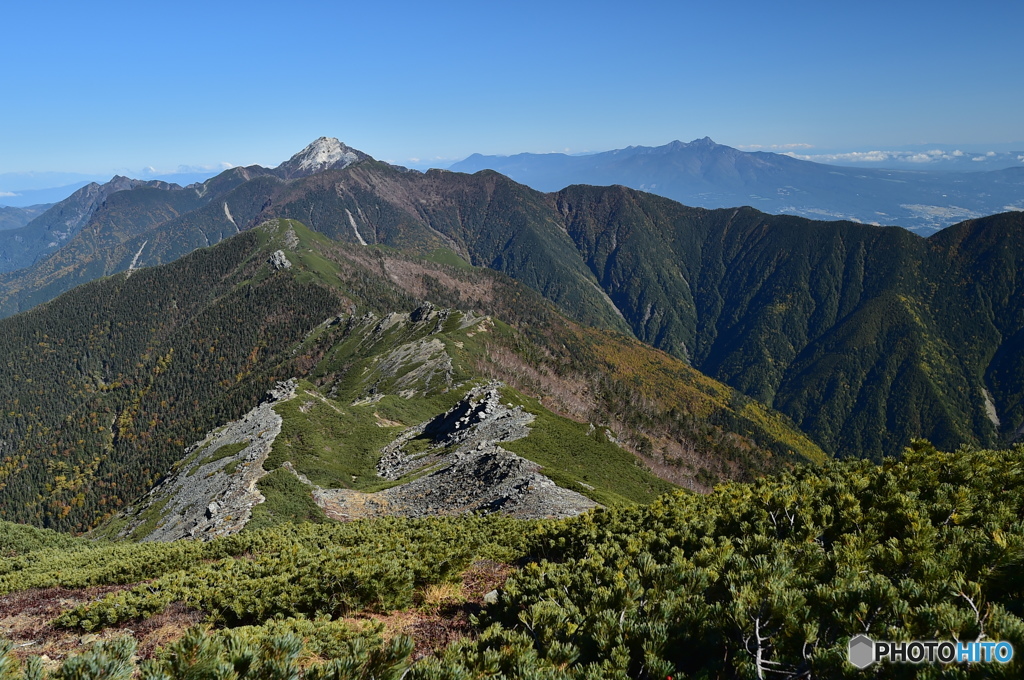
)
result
[(486, 218), (865, 336), (109, 383), (104, 387)]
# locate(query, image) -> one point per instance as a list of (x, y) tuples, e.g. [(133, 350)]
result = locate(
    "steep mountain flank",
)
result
[(12, 217), (486, 219), (145, 223), (854, 331), (866, 336), (53, 228), (109, 383)]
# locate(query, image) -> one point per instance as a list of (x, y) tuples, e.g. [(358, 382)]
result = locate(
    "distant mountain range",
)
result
[(28, 188), (12, 218), (705, 174), (48, 232), (335, 339), (865, 336)]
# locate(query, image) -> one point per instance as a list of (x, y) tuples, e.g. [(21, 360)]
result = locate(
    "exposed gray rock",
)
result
[(282, 391), (422, 312), (291, 239), (478, 418), (203, 499), (433, 368), (471, 473), (278, 260), (323, 154)]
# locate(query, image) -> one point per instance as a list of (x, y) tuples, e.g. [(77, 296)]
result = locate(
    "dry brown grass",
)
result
[(442, 617), (25, 620), (437, 594), (384, 422)]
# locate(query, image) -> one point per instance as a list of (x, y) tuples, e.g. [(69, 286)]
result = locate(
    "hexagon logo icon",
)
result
[(861, 651)]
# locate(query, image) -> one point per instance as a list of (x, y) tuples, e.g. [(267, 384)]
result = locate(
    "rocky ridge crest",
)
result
[(463, 469), (211, 496), (466, 469)]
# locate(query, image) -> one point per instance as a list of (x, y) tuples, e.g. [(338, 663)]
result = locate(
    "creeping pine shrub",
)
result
[(324, 638), (772, 579), (10, 669), (762, 580), (286, 571), (201, 656), (500, 653)]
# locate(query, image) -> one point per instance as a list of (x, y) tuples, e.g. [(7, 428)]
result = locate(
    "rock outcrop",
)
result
[(278, 260), (213, 492), (454, 462), (471, 473)]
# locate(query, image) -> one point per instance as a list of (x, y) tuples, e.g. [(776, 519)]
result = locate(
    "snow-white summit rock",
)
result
[(323, 154)]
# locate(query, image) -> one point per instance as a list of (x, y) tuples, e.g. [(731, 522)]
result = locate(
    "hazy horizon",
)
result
[(100, 90)]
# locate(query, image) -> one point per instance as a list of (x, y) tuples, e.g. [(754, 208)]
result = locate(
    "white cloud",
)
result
[(880, 156), (7, 194), (795, 145), (852, 157)]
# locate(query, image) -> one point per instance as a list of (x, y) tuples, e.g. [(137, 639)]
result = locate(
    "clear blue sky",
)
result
[(104, 86)]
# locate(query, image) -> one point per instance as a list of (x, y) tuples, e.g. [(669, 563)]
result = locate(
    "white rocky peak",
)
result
[(324, 153)]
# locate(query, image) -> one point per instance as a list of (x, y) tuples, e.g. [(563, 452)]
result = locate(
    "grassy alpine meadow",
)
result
[(766, 579)]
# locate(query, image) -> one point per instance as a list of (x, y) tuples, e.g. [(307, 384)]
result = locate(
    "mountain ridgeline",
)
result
[(48, 230), (703, 173), (12, 218), (49, 242), (459, 356), (865, 336), (109, 384)]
